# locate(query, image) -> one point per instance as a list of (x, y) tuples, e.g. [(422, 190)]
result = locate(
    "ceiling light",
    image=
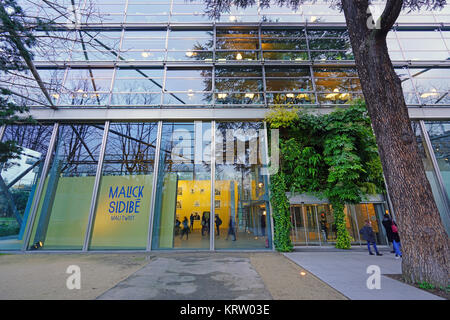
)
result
[(430, 94), (189, 54), (145, 54), (222, 95), (239, 56), (249, 95), (55, 95), (290, 95), (344, 96), (232, 18), (190, 93)]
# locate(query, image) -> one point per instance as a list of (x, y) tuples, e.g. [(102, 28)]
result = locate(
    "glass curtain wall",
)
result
[(241, 186), (63, 211), (124, 198), (183, 196), (313, 224), (19, 179)]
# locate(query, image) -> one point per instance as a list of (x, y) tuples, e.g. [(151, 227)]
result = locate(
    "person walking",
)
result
[(396, 240), (218, 222), (368, 235), (231, 229), (263, 225), (387, 224), (192, 218), (185, 230)]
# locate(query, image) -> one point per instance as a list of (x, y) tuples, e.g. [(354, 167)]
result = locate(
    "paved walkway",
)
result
[(173, 276), (346, 271)]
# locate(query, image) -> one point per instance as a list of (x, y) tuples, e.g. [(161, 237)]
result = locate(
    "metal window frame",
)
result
[(154, 187), (437, 172), (212, 216), (98, 176), (40, 187)]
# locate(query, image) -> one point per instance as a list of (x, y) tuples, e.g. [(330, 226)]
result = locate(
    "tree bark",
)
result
[(425, 243)]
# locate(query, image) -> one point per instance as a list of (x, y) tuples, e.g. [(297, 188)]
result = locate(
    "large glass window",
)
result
[(124, 197), (429, 169), (183, 195), (284, 45), (337, 85), (422, 45), (188, 86), (19, 179), (144, 45), (289, 85), (439, 133), (330, 45), (190, 45), (137, 86), (432, 85), (237, 44), (239, 85), (64, 206), (85, 87), (241, 186)]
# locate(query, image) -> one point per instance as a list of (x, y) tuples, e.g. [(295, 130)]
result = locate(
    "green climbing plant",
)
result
[(281, 213), (332, 156)]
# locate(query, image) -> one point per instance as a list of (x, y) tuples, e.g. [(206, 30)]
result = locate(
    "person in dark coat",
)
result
[(263, 224), (387, 224), (368, 235), (231, 230), (185, 230)]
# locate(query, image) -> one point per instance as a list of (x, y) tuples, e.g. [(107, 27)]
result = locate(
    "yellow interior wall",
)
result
[(189, 198)]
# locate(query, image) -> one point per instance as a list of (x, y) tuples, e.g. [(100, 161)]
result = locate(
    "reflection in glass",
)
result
[(439, 132), (64, 206), (183, 194), (124, 197), (330, 45), (18, 181), (241, 186), (429, 170)]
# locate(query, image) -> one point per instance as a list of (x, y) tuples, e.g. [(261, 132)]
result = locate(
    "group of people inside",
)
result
[(391, 232), (186, 228)]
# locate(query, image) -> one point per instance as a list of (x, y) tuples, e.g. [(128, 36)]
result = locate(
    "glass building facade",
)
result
[(137, 102)]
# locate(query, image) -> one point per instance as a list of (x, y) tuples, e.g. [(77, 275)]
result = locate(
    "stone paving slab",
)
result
[(347, 273), (192, 277)]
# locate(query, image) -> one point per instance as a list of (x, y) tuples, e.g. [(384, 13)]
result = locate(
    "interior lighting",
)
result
[(190, 93), (222, 95), (433, 93), (239, 56), (55, 95), (290, 95), (189, 54), (333, 95), (232, 18), (344, 96), (313, 19), (249, 95), (303, 273), (145, 54)]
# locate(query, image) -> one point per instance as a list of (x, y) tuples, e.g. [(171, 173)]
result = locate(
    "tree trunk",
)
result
[(425, 243)]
